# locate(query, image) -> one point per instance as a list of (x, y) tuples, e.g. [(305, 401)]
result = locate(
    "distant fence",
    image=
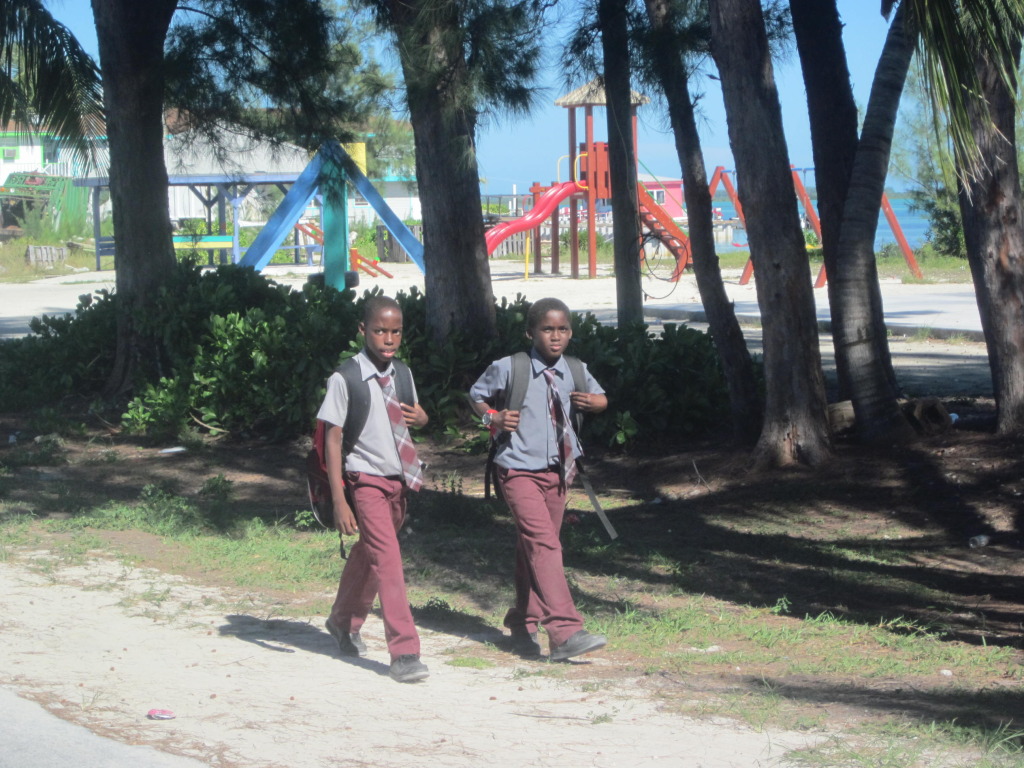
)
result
[(388, 248), (45, 256)]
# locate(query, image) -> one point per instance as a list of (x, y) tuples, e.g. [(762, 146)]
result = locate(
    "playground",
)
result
[(315, 216)]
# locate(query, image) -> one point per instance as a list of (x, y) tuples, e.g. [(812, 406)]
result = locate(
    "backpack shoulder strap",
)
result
[(358, 403), (403, 383), (579, 384), (511, 399), (579, 377), (518, 381)]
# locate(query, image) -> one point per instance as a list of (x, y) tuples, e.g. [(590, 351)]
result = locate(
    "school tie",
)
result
[(412, 469), (563, 434)]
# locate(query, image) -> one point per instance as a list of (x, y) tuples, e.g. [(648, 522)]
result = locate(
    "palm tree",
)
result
[(795, 422), (48, 83), (676, 30), (858, 331), (853, 181), (993, 219)]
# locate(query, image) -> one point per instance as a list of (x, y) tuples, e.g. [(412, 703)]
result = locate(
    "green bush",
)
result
[(242, 355), (67, 355), (658, 387)]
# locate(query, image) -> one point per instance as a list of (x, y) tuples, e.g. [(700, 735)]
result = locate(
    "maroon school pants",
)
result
[(374, 565), (542, 594)]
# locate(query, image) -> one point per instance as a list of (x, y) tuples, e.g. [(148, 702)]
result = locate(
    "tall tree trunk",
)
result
[(795, 425), (613, 21), (131, 44), (993, 216), (833, 119), (458, 279), (859, 334), (737, 366)]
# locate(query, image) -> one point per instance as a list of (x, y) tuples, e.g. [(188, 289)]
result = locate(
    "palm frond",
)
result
[(48, 83), (952, 34)]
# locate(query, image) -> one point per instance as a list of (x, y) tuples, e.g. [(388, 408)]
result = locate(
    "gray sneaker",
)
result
[(580, 643), (349, 643), (408, 669), (525, 644)]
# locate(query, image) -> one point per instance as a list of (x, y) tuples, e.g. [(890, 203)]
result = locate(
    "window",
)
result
[(659, 196), (10, 153)]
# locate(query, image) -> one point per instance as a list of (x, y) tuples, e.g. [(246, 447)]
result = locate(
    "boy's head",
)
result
[(549, 327), (382, 328)]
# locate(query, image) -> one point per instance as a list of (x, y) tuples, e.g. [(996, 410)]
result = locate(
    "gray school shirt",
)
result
[(533, 445), (374, 452)]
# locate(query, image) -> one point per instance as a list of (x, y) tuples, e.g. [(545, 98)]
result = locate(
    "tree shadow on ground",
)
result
[(991, 710)]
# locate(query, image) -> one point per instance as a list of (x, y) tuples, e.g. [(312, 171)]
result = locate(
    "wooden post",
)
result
[(591, 195), (574, 221), (554, 240), (538, 267)]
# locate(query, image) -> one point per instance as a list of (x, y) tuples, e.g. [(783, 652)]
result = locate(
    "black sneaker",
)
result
[(525, 643), (580, 643), (408, 669), (349, 643)]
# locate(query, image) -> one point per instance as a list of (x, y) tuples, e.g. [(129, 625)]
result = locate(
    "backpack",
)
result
[(321, 500), (515, 395)]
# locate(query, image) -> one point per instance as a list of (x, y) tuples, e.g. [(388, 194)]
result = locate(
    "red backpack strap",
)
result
[(320, 443)]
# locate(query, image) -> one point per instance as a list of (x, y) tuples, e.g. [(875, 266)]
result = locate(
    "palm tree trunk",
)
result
[(859, 329), (833, 118), (737, 366), (131, 44), (993, 217), (612, 19), (795, 425)]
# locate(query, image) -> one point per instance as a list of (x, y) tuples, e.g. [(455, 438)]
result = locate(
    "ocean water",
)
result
[(913, 223)]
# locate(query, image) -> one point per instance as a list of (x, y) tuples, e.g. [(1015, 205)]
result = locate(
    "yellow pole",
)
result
[(357, 151), (526, 259)]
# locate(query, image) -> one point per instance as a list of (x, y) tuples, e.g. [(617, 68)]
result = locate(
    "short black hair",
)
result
[(540, 308), (377, 304)]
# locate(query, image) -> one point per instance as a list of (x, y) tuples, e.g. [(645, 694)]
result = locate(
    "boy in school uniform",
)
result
[(535, 460), (377, 471)]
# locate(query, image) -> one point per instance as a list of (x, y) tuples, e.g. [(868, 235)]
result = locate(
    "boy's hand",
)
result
[(344, 518), (506, 421), (414, 415), (587, 402)]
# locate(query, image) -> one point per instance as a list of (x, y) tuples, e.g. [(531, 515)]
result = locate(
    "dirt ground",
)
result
[(100, 642)]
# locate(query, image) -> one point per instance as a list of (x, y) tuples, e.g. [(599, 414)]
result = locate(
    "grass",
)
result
[(15, 269), (774, 604), (934, 269)]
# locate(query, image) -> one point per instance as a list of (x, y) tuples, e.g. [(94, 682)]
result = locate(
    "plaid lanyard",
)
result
[(412, 469)]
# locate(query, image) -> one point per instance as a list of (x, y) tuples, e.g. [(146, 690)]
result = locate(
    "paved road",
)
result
[(943, 308), (33, 738)]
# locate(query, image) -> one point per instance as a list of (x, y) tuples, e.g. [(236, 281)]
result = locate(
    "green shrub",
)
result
[(67, 355), (242, 355)]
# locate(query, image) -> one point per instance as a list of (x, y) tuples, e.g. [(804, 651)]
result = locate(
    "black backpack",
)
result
[(317, 483), (514, 396)]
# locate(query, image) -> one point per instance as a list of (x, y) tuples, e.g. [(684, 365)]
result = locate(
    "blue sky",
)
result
[(528, 149)]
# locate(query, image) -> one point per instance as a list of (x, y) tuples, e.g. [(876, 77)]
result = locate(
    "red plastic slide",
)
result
[(544, 207)]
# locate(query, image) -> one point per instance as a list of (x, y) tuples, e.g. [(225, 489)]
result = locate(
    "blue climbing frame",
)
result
[(327, 173)]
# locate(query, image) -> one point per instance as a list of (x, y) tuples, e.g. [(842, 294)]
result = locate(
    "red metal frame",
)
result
[(812, 216), (369, 266)]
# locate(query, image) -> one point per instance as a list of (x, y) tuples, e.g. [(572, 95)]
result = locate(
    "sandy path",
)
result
[(100, 644)]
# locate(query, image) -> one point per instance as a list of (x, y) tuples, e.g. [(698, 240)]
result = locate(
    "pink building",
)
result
[(668, 193)]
